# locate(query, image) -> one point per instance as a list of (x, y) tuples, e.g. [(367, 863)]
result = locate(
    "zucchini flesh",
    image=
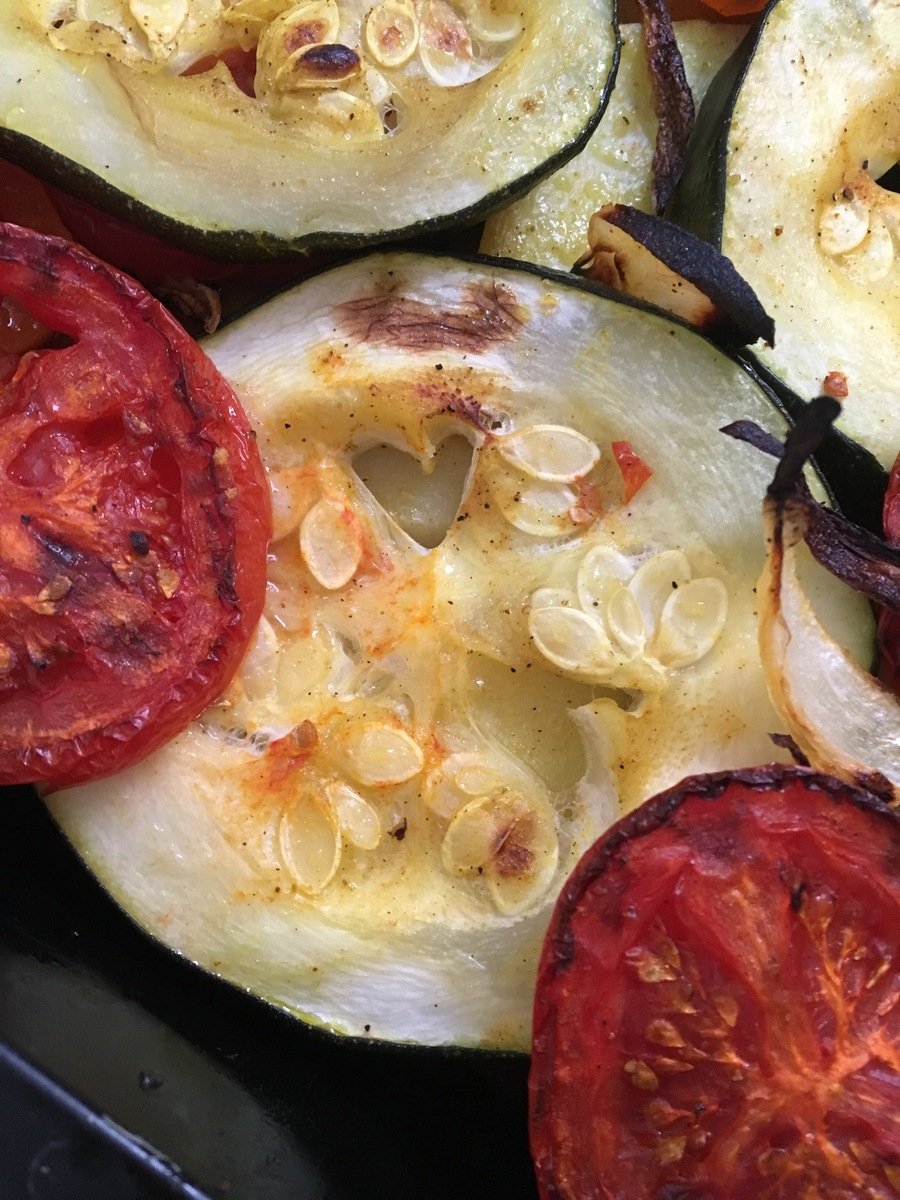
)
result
[(549, 225), (782, 177), (371, 827), (390, 149)]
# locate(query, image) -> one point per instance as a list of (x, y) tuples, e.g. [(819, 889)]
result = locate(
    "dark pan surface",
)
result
[(127, 1073)]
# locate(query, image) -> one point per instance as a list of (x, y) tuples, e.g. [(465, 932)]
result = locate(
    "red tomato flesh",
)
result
[(241, 64), (718, 1001), (134, 520), (133, 249), (634, 470), (734, 8), (889, 622), (24, 200), (162, 267), (892, 506)]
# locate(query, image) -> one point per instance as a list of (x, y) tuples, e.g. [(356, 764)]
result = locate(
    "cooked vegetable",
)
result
[(673, 101), (549, 224), (437, 716), (134, 516), (365, 120), (892, 505), (735, 8), (716, 1006), (849, 551), (651, 259), (888, 621), (837, 713), (783, 177)]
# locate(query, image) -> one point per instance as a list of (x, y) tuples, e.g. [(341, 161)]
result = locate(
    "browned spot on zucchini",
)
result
[(488, 312)]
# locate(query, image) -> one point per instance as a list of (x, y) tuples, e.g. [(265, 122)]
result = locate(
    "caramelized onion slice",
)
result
[(851, 552), (651, 259), (841, 718), (673, 101)]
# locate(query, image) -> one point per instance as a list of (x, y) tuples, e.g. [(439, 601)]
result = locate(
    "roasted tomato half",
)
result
[(889, 622), (717, 1010), (134, 518)]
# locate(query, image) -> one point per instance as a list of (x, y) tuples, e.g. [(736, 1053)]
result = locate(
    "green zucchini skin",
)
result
[(255, 246), (759, 181), (25, 141), (698, 202)]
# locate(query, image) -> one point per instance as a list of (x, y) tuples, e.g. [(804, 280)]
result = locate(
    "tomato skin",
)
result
[(24, 200), (241, 64), (892, 505), (734, 8), (695, 10), (716, 1011), (163, 267), (132, 249), (134, 522), (889, 622)]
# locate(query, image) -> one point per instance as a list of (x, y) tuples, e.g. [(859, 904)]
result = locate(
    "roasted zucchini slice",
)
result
[(458, 681), (549, 225), (783, 176), (365, 120)]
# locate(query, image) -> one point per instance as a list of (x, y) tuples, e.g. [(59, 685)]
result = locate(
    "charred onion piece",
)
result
[(866, 563), (198, 306), (673, 101), (840, 716), (856, 479), (653, 260)]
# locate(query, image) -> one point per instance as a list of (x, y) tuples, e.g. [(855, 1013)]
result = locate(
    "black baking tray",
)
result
[(128, 1074)]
